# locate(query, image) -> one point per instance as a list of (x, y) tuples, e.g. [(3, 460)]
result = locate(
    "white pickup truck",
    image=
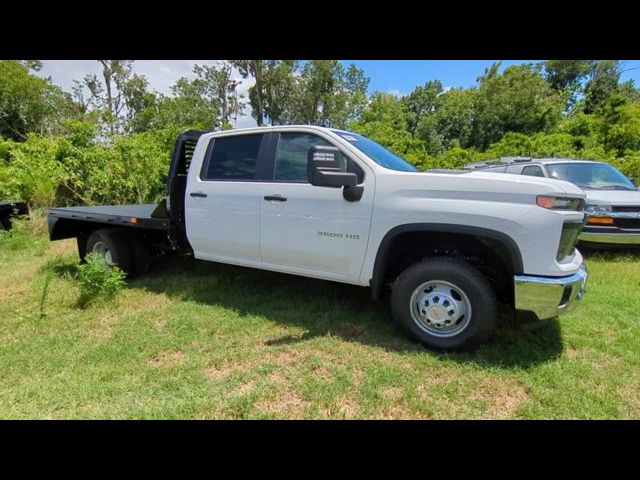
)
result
[(334, 205)]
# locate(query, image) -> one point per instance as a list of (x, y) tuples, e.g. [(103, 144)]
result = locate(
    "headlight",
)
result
[(598, 214), (591, 208), (559, 203)]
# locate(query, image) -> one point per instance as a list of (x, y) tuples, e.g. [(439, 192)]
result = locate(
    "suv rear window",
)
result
[(233, 158)]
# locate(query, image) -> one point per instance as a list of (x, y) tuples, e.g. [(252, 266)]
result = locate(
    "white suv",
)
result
[(612, 202)]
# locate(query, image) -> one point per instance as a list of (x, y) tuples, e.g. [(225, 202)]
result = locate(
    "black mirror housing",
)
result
[(323, 168)]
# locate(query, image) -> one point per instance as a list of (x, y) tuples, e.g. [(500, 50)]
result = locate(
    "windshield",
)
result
[(596, 176), (377, 152)]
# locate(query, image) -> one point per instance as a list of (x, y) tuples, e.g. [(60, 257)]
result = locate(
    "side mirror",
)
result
[(323, 169)]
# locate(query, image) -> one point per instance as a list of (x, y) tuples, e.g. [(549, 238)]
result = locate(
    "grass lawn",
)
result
[(200, 340)]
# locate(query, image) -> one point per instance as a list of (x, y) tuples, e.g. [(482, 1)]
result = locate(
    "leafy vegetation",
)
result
[(97, 279), (109, 140), (202, 340)]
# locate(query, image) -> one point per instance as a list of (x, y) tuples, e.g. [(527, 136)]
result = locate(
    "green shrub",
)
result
[(97, 279)]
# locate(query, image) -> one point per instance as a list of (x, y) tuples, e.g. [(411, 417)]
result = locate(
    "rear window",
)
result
[(233, 158)]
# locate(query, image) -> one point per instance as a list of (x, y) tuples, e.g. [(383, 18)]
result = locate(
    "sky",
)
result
[(399, 77)]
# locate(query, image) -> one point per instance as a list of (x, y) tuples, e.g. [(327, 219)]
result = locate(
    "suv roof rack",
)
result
[(510, 160), (497, 162)]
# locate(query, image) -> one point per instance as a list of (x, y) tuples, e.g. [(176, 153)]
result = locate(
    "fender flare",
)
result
[(381, 256)]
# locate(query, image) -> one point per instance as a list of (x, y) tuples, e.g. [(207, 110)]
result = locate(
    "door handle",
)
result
[(198, 194), (275, 198)]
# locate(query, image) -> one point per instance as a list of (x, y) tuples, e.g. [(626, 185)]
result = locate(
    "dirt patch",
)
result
[(12, 290), (503, 398), (287, 404), (424, 390), (275, 377), (130, 307), (357, 377), (244, 389), (167, 359), (572, 352), (392, 393), (344, 408), (397, 411), (220, 371), (323, 373), (286, 358)]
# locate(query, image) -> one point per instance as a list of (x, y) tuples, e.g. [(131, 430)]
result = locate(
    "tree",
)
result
[(140, 103), (327, 94), (29, 103), (35, 65), (215, 83), (567, 76), (277, 86), (210, 100), (106, 95), (254, 68), (518, 100), (451, 123), (421, 103), (603, 81), (270, 95), (384, 121)]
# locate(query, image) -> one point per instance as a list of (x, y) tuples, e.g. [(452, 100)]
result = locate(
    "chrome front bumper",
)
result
[(547, 297), (609, 236)]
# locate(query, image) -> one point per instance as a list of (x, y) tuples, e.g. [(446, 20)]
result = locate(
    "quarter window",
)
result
[(233, 158), (533, 171)]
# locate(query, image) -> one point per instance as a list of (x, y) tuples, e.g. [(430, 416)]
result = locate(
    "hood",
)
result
[(542, 183), (476, 185), (613, 197)]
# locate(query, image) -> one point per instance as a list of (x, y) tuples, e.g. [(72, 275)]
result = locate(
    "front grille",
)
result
[(635, 208), (627, 222), (568, 240)]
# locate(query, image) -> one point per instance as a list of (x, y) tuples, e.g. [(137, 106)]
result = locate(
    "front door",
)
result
[(312, 230)]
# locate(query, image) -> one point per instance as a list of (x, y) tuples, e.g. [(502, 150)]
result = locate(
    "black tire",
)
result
[(474, 285), (118, 246)]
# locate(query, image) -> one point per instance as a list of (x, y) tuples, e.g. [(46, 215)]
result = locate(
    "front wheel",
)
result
[(444, 303)]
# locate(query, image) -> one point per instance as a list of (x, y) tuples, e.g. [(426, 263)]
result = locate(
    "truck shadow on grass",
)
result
[(324, 308)]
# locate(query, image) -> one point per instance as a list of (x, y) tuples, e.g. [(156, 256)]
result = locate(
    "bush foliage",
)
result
[(97, 279), (60, 149)]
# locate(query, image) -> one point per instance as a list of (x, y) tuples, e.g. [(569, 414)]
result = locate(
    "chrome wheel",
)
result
[(440, 308), (102, 249)]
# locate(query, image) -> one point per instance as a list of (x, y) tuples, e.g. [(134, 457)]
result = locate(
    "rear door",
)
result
[(222, 200), (312, 230)]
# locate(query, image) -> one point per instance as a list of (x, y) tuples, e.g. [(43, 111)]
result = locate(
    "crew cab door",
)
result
[(223, 200), (308, 229)]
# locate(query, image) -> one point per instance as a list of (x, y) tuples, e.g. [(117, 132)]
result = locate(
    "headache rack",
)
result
[(173, 206)]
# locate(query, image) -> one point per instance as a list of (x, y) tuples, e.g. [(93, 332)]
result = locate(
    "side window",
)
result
[(533, 171), (514, 169), (291, 157), (233, 158)]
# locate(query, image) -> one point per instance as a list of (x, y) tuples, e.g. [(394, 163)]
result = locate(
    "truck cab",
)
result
[(335, 205)]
